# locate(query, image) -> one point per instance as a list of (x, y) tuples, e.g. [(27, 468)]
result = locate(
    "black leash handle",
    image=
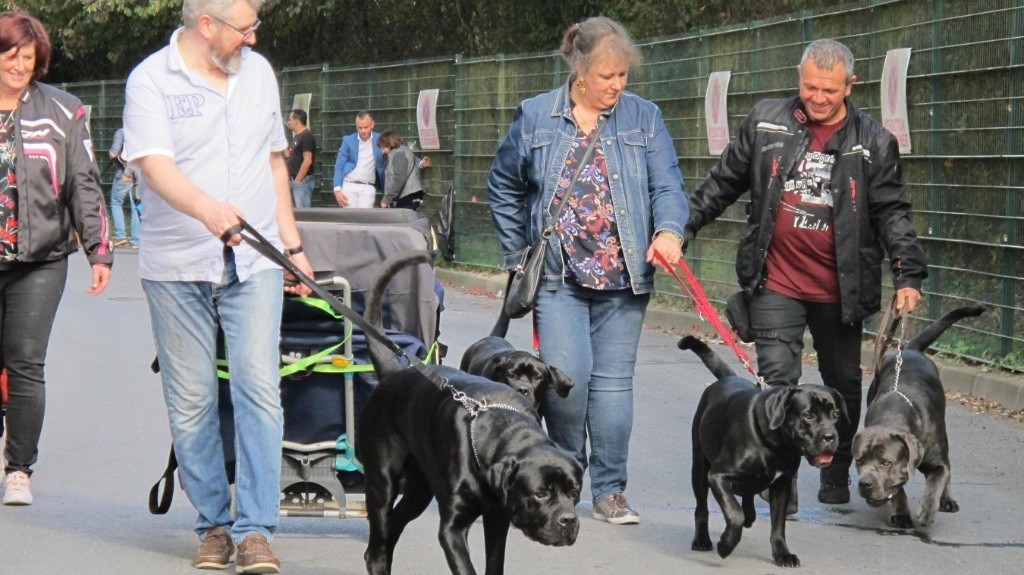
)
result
[(266, 249)]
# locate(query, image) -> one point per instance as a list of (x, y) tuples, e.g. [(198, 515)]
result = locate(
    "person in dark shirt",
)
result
[(299, 158), (826, 196)]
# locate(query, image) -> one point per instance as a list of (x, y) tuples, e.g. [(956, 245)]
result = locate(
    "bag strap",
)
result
[(550, 228)]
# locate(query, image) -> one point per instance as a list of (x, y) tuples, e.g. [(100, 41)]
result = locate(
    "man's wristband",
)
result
[(671, 235), (293, 251)]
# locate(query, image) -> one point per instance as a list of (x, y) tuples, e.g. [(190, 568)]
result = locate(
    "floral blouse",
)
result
[(590, 237), (8, 198)]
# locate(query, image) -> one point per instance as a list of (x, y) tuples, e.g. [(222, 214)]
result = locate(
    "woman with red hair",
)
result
[(49, 193)]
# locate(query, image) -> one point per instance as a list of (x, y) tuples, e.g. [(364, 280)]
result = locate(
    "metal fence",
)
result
[(965, 97)]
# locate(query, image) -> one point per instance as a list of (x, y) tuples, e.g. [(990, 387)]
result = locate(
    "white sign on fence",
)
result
[(716, 111), (894, 96), (302, 102), (426, 120)]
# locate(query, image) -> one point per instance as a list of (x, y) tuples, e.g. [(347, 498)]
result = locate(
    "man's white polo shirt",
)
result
[(222, 145)]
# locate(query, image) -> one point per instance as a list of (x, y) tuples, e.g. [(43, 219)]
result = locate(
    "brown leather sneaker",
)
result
[(215, 550), (255, 556)]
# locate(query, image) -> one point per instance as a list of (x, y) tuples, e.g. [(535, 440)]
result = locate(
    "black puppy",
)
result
[(905, 429), (471, 443), (496, 359), (745, 440)]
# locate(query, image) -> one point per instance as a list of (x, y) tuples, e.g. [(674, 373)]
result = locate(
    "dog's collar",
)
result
[(475, 408)]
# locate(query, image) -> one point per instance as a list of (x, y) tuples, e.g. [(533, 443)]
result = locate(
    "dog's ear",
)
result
[(841, 404), (776, 405), (913, 450), (501, 475), (563, 383)]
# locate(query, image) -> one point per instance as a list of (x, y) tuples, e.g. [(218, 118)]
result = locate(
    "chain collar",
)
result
[(899, 359), (475, 407)]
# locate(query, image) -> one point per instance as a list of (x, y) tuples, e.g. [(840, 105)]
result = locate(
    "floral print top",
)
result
[(8, 197), (590, 237)]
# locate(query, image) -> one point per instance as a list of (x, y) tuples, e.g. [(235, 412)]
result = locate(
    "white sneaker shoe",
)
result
[(17, 489)]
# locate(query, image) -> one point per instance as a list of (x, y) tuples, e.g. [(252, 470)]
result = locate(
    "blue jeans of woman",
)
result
[(592, 336), (778, 324), (29, 294), (120, 196), (185, 317)]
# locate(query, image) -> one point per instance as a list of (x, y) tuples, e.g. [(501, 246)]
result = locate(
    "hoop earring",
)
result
[(582, 85)]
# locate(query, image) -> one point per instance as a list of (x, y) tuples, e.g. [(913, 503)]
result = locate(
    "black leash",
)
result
[(267, 250)]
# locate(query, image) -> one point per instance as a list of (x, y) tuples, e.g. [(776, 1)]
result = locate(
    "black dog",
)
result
[(472, 443), (745, 440), (905, 429), (496, 359)]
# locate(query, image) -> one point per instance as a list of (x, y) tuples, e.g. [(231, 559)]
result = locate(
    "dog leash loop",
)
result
[(707, 312)]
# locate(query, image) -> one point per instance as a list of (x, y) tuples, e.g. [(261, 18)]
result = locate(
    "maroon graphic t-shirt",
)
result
[(802, 257)]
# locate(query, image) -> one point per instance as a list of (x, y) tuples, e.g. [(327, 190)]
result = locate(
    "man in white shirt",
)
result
[(203, 123), (359, 169)]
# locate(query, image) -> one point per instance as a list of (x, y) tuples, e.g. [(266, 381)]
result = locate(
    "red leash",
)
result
[(706, 310)]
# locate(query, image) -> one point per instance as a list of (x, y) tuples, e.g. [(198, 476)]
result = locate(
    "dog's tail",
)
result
[(711, 359), (384, 359), (500, 328), (921, 341)]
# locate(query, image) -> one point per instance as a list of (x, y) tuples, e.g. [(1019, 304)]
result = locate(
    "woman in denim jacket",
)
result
[(627, 205)]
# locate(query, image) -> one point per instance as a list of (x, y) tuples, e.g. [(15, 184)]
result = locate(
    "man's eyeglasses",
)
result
[(247, 33)]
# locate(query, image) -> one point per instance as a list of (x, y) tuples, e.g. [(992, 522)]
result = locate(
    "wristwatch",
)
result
[(293, 251)]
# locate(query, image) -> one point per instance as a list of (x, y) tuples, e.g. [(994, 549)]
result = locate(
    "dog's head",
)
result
[(807, 415), (541, 487), (886, 459), (530, 376)]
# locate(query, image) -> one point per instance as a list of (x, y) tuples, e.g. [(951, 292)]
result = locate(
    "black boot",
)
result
[(835, 484)]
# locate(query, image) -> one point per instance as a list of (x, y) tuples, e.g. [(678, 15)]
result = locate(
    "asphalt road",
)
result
[(105, 443)]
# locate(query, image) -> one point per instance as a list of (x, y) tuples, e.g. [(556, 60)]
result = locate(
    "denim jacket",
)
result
[(643, 173)]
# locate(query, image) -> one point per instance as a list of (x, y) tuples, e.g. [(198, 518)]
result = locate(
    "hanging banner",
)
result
[(302, 102), (894, 96), (716, 111), (426, 120)]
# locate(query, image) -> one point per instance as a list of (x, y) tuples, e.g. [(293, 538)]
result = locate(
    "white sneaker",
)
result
[(17, 490)]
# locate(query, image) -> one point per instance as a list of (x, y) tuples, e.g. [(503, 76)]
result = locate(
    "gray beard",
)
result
[(230, 64)]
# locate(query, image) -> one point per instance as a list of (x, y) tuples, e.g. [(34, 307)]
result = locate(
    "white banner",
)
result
[(716, 111), (426, 120), (302, 102), (894, 96)]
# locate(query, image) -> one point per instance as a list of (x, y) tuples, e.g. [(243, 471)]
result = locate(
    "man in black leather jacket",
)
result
[(826, 197)]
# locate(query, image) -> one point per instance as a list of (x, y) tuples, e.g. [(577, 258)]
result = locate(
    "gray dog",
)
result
[(746, 440), (496, 359), (905, 429)]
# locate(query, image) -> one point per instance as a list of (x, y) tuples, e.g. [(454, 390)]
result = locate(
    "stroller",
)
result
[(326, 372)]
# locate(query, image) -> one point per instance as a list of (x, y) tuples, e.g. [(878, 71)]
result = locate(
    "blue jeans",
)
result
[(185, 317), (778, 324), (592, 336), (120, 195), (302, 193)]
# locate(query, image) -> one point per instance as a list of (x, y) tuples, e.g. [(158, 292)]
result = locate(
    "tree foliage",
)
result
[(105, 39)]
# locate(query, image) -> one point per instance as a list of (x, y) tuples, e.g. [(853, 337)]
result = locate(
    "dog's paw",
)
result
[(726, 545), (901, 521), (701, 544), (925, 516), (786, 560), (949, 506)]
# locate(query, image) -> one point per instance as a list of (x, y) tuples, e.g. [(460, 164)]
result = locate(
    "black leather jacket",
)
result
[(59, 198), (869, 211)]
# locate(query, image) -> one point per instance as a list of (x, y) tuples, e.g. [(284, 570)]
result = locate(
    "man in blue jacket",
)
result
[(359, 169)]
